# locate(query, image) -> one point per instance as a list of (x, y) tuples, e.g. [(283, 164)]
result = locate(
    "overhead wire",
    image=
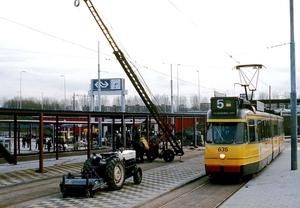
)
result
[(230, 55), (225, 51), (42, 53), (53, 36)]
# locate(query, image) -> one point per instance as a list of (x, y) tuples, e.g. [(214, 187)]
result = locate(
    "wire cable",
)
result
[(231, 56)]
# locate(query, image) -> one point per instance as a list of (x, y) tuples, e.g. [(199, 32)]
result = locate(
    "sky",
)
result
[(46, 45)]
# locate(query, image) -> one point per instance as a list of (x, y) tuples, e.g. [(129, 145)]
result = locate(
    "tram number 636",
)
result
[(223, 149)]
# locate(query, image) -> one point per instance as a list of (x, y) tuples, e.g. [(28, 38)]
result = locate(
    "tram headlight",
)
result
[(222, 156)]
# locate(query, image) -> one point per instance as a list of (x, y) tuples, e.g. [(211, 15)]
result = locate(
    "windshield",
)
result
[(221, 133)]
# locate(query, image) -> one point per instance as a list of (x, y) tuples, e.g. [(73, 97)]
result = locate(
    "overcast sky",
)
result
[(202, 39)]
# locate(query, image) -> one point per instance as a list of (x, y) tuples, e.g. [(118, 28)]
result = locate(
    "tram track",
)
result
[(23, 194), (202, 192)]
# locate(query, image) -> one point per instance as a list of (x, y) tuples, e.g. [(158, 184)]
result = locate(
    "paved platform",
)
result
[(156, 181), (275, 186)]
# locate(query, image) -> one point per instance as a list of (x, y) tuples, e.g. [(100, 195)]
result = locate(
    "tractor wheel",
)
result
[(88, 192), (115, 174), (64, 193), (168, 155), (137, 175)]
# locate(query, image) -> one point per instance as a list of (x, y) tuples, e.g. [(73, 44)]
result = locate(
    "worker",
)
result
[(139, 148), (146, 148), (96, 159), (145, 143), (119, 142)]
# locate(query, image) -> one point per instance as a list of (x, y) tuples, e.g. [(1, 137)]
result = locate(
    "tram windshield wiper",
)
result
[(219, 134)]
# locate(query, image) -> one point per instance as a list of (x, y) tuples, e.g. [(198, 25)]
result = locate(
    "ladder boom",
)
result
[(167, 129)]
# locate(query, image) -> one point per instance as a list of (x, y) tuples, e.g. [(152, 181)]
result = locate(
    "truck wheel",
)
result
[(137, 175), (168, 155), (115, 174)]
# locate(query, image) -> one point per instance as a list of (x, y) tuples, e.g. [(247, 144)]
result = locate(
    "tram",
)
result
[(241, 138)]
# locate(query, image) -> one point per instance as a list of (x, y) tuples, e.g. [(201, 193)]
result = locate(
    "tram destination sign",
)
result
[(108, 84), (226, 106)]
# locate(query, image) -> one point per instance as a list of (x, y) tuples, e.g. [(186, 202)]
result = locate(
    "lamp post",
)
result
[(64, 91), (99, 101), (199, 88), (172, 110), (21, 88), (42, 100), (177, 88)]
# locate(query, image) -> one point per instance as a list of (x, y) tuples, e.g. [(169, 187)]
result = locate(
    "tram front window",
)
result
[(223, 133)]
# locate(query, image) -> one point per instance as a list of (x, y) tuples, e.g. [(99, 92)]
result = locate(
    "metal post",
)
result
[(199, 89), (56, 138), (41, 144), (99, 101), (270, 97), (177, 88), (172, 110), (293, 93), (15, 138), (89, 136), (65, 93), (21, 88), (42, 101)]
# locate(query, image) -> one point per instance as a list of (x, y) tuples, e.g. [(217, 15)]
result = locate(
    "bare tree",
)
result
[(263, 96), (194, 100)]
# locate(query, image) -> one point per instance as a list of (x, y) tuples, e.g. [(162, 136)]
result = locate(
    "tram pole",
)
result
[(293, 93)]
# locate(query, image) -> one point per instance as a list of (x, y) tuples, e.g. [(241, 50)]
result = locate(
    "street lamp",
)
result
[(172, 110), (65, 102), (177, 88), (42, 100), (199, 89), (21, 88)]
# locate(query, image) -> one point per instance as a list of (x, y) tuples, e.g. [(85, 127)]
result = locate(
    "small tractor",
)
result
[(107, 170)]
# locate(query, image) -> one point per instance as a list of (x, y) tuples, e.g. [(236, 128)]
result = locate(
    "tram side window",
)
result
[(264, 130), (275, 128), (280, 127), (260, 129), (251, 130), (268, 129)]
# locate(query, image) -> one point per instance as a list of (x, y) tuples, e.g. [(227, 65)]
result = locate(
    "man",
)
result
[(119, 142), (96, 159), (139, 148)]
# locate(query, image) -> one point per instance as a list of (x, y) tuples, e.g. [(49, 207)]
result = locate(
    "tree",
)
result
[(195, 104), (263, 96)]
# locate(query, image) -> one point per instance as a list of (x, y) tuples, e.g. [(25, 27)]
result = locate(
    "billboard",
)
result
[(108, 84)]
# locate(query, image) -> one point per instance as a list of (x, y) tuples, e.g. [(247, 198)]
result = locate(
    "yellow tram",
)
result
[(241, 138)]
